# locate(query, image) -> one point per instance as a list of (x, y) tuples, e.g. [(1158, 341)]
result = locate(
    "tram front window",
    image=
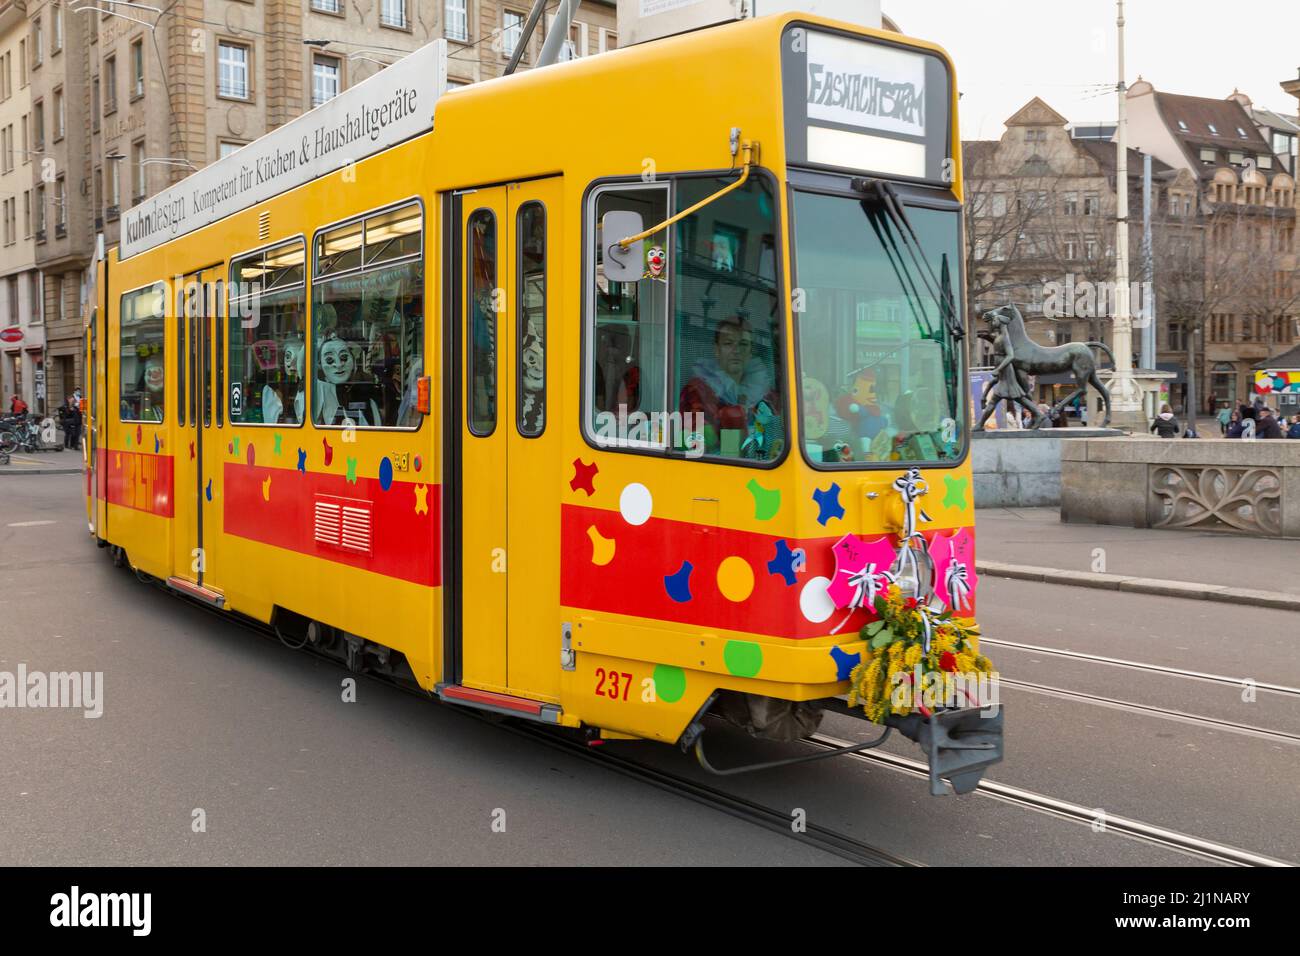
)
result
[(880, 367)]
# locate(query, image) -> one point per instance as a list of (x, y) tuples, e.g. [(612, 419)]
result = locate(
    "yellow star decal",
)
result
[(421, 499)]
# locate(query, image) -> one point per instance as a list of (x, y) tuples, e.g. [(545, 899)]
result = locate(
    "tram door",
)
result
[(200, 387), (509, 283)]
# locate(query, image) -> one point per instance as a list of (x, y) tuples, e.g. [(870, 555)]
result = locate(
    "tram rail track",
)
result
[(1142, 666), (1150, 710), (1073, 812)]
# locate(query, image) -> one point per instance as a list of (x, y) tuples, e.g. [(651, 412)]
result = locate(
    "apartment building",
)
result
[(22, 327), (129, 101)]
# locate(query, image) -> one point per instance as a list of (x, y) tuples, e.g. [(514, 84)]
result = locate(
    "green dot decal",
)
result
[(743, 658), (767, 501), (670, 683)]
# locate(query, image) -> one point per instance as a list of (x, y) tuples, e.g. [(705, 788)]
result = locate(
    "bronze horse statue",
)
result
[(1020, 356)]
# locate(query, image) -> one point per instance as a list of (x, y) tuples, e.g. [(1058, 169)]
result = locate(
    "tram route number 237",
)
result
[(612, 684)]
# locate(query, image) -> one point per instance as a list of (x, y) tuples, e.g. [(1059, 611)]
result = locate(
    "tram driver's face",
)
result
[(733, 350), (336, 361)]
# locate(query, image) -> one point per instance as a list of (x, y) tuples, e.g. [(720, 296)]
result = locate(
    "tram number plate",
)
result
[(612, 684)]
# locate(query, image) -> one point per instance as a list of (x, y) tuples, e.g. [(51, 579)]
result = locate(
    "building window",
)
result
[(324, 79), (1091, 204), (1071, 250), (60, 206), (225, 148), (6, 76), (7, 147), (457, 19), (1264, 162), (56, 24), (40, 213), (1033, 135), (114, 190), (392, 13), (1071, 204), (1182, 125), (38, 125), (97, 191), (608, 40), (26, 125), (138, 171), (327, 6), (137, 69), (232, 71), (95, 104), (1207, 156), (110, 85), (38, 43), (141, 345), (1177, 342), (27, 213), (1213, 128), (1090, 248), (22, 64), (512, 31), (60, 125)]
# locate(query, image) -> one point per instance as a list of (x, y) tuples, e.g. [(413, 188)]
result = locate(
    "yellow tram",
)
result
[(570, 394)]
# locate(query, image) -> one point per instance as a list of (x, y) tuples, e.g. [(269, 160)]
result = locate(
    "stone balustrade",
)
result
[(1245, 487)]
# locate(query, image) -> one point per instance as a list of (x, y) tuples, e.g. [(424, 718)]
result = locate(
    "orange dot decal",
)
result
[(602, 548), (735, 578)]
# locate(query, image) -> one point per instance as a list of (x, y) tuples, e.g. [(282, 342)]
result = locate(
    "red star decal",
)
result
[(191, 451), (582, 475)]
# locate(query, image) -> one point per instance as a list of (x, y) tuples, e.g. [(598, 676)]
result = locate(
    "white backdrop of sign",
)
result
[(865, 85), (381, 111)]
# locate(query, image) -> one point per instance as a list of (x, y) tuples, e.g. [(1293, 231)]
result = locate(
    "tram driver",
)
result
[(735, 392)]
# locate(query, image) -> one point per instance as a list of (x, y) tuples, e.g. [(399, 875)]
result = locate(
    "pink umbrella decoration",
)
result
[(862, 569), (954, 570)]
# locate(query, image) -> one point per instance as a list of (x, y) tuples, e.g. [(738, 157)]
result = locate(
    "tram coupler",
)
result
[(959, 744)]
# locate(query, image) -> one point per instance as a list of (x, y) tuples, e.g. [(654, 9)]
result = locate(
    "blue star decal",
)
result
[(828, 501), (302, 460), (844, 662), (783, 563)]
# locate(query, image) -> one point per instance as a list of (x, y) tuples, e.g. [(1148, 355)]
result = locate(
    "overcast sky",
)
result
[(1008, 51)]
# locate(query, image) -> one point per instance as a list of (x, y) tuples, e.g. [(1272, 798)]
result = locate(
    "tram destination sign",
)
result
[(381, 111), (865, 105)]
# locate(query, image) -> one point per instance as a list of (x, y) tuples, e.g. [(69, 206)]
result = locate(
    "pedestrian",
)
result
[(1248, 412), (17, 406), (1224, 414), (1267, 426), (1235, 425), (74, 417), (1165, 425), (1294, 430)]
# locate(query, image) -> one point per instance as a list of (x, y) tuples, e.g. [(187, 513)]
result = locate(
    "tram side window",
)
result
[(531, 306), (628, 381), (268, 329), (709, 382), (142, 369), (367, 327), (481, 262)]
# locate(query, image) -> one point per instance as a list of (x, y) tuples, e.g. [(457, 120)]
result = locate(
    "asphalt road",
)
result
[(202, 714)]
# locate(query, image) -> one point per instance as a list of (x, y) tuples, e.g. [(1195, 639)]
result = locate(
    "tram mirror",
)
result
[(622, 265)]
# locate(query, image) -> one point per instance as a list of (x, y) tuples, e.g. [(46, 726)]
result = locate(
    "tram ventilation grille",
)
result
[(264, 225), (344, 523)]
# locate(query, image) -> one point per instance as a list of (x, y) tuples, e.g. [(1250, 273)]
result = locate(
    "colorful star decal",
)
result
[(128, 439), (828, 503), (266, 489), (678, 585), (250, 455), (602, 548), (955, 496), (767, 501), (329, 452), (208, 491), (234, 446), (582, 476), (352, 471), (191, 451), (276, 450), (844, 662), (421, 499), (157, 444), (139, 435), (302, 459), (786, 562)]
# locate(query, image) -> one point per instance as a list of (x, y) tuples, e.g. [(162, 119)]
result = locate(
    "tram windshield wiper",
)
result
[(880, 194)]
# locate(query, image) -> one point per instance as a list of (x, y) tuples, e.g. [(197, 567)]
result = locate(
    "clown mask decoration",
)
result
[(154, 375), (655, 262), (294, 351), (534, 378), (336, 361)]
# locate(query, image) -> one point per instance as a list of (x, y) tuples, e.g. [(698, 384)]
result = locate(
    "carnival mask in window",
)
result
[(336, 361)]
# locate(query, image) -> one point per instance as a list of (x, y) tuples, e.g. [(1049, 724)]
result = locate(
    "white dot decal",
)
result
[(815, 602), (635, 503)]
